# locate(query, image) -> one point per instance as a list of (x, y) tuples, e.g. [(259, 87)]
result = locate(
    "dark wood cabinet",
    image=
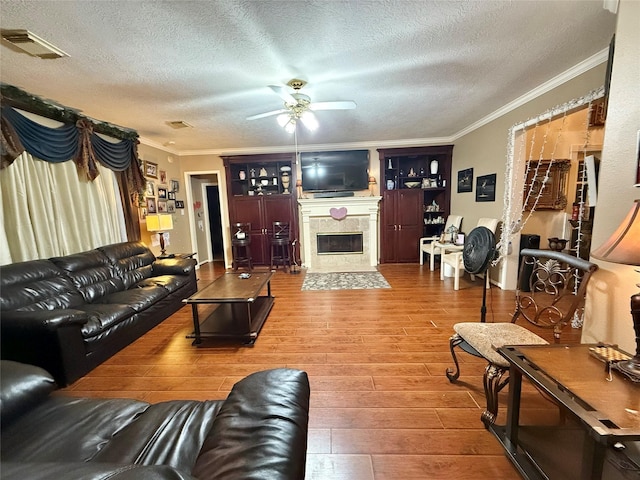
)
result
[(258, 195), (415, 186)]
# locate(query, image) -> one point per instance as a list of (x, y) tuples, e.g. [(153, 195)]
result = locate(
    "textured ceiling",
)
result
[(416, 69)]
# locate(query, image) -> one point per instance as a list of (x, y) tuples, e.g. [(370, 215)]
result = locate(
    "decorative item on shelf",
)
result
[(252, 172), (390, 184), (412, 172), (160, 224), (285, 182), (402, 172), (622, 247), (433, 167), (264, 182), (253, 182), (411, 184), (242, 175), (426, 183), (422, 171), (372, 185), (557, 244), (263, 172), (390, 166)]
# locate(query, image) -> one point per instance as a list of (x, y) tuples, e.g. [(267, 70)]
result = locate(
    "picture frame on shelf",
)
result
[(465, 180), (486, 188), (150, 169), (162, 193), (151, 205)]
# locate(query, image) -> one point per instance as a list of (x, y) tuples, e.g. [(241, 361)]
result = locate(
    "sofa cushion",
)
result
[(138, 298), (132, 260), (89, 471), (171, 283), (36, 285), (66, 429), (168, 433), (22, 387), (91, 273), (103, 316)]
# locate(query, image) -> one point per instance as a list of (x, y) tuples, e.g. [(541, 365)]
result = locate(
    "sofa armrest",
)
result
[(173, 266), (50, 339), (260, 431), (42, 319), (89, 471)]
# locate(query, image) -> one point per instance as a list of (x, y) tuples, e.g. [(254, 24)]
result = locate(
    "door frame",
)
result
[(224, 215)]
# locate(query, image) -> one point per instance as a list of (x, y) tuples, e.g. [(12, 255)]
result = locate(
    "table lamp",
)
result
[(624, 247), (160, 223)]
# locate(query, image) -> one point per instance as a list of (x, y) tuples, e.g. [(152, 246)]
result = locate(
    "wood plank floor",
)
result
[(381, 406)]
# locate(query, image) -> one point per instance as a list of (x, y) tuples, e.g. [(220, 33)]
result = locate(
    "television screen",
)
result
[(335, 171)]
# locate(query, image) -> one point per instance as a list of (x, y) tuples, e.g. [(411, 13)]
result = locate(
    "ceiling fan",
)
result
[(298, 106)]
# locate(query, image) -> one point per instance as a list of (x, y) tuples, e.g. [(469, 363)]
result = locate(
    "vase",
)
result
[(390, 184), (390, 165), (433, 166)]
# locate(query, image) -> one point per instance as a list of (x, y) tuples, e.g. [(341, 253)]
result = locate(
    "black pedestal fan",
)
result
[(478, 252)]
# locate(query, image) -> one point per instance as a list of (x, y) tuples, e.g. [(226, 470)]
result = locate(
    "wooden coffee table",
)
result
[(240, 310)]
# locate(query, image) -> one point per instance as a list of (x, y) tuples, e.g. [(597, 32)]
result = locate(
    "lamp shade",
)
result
[(624, 245), (159, 223)]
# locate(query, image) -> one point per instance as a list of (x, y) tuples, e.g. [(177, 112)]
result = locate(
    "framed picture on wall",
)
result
[(179, 203), (486, 188), (150, 169), (171, 206), (163, 176), (465, 180), (171, 195), (151, 205), (162, 193), (150, 191), (174, 185), (162, 206)]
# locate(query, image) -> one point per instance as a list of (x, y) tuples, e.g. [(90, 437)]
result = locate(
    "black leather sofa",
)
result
[(69, 314), (258, 432)]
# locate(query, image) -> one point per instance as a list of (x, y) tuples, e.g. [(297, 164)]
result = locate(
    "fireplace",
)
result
[(339, 243), (340, 220)]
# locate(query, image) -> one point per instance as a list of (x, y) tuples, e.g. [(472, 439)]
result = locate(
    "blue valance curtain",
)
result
[(78, 142)]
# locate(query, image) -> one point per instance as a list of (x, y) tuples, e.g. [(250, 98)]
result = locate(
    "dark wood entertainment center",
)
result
[(410, 193), (257, 196)]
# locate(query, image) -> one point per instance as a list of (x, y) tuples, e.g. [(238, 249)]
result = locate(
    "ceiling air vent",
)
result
[(178, 124), (32, 44)]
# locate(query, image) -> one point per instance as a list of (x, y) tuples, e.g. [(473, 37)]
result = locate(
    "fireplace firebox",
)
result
[(336, 243)]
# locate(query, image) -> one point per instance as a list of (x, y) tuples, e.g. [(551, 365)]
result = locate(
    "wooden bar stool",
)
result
[(241, 245), (281, 245)]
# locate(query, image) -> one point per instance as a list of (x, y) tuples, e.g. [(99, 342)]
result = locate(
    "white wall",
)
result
[(607, 316)]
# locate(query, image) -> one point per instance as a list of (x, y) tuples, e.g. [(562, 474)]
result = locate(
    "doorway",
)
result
[(215, 223)]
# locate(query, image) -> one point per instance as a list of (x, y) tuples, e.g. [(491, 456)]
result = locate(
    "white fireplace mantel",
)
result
[(322, 208)]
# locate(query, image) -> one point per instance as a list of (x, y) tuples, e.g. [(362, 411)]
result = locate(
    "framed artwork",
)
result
[(465, 180), (162, 193), (163, 176), (162, 206), (171, 195), (150, 191), (143, 213), (171, 206), (150, 169), (179, 203), (486, 188), (174, 186), (151, 205)]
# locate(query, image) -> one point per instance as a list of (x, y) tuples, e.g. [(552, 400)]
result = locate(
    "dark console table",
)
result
[(593, 427)]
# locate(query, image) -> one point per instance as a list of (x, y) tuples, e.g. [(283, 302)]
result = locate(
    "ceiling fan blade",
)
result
[(267, 114), (345, 105), (283, 94)]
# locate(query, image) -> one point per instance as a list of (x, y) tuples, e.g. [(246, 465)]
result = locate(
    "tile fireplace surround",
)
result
[(339, 215)]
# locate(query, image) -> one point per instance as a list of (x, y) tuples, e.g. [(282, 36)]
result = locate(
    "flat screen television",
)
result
[(337, 171)]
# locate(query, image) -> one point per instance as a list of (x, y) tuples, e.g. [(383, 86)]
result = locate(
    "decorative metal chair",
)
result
[(557, 286), (281, 245), (241, 245), (454, 258), (426, 245)]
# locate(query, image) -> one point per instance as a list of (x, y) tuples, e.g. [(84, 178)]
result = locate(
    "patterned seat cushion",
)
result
[(486, 338)]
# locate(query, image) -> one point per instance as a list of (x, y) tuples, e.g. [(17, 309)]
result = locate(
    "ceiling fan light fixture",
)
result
[(290, 127), (283, 119), (309, 120)]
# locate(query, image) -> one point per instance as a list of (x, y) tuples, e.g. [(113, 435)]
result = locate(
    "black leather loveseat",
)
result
[(258, 432), (69, 314)]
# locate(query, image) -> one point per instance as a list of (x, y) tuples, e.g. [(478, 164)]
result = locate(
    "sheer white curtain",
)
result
[(47, 210)]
